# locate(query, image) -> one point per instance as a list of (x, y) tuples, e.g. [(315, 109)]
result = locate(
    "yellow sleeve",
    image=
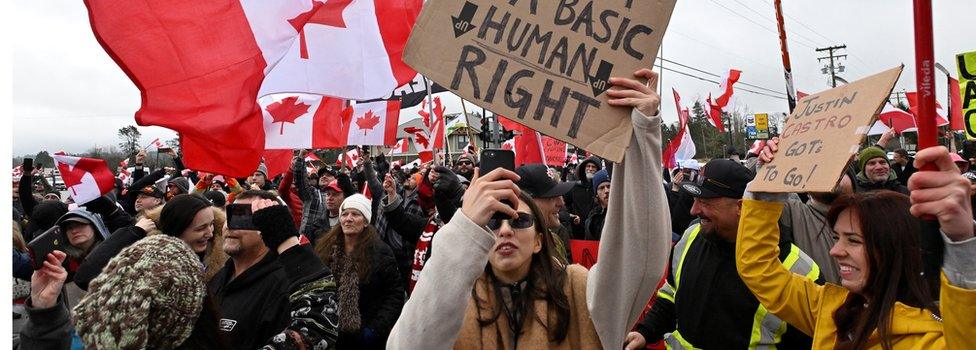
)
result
[(958, 315), (791, 297)]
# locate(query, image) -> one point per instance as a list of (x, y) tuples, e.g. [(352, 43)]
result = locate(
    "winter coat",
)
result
[(582, 198), (213, 258), (594, 223), (810, 307), (253, 306), (633, 254), (381, 298), (892, 184)]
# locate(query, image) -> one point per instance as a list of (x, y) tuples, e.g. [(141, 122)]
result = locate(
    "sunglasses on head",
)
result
[(523, 221), (702, 179)]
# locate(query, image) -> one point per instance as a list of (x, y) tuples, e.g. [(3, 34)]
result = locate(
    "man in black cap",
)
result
[(713, 307), (148, 198), (548, 195)]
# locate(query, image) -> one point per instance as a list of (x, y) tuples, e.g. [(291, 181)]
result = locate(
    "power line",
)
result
[(718, 76), (716, 82), (772, 21), (758, 24)]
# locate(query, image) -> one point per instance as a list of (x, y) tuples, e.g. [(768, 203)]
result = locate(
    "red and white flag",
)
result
[(18, 171), (421, 142), (895, 118), (941, 118), (311, 158), (716, 107), (298, 121), (158, 145), (436, 124), (201, 86), (356, 44), (401, 147), (682, 147), (527, 143), (757, 147), (86, 178), (124, 173), (373, 123), (352, 156)]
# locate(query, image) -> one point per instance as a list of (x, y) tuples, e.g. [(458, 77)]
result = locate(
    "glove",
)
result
[(101, 205), (275, 224), (448, 186)]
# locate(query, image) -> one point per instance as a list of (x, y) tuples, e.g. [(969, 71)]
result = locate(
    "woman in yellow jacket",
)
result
[(883, 301)]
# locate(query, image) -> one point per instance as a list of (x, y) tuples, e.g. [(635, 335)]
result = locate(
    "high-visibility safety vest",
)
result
[(767, 329)]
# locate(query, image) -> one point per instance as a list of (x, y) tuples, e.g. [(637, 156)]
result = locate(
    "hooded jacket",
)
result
[(101, 231), (810, 307), (581, 199)]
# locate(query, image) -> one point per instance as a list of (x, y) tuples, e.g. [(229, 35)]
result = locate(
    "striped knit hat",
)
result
[(149, 294)]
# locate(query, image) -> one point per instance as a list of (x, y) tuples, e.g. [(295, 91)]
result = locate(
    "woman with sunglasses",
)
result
[(883, 301), (493, 280)]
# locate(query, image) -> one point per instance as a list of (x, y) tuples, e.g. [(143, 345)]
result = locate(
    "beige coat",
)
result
[(214, 258)]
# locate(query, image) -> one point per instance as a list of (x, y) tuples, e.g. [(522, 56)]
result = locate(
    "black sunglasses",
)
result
[(524, 220), (702, 179), (464, 162)]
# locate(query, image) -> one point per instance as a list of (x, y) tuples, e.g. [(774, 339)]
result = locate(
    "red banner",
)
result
[(555, 151), (584, 252)]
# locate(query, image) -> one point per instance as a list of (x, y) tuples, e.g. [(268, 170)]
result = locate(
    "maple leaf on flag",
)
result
[(287, 111), (367, 121), (419, 135), (329, 14)]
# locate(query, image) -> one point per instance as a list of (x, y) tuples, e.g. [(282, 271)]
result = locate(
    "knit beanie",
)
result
[(263, 169), (178, 213), (600, 177), (358, 202), (182, 183), (150, 294), (868, 154)]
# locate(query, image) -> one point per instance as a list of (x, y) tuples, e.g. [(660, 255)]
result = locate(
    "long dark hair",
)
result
[(335, 239), (891, 239), (545, 282)]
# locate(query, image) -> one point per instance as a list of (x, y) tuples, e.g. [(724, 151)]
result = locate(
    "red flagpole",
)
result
[(925, 76), (787, 69)]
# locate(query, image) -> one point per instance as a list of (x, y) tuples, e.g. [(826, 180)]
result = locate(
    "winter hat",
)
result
[(44, 216), (179, 212), (263, 169), (325, 170), (600, 177), (150, 293), (217, 198), (468, 157), (869, 154), (358, 202), (182, 183)]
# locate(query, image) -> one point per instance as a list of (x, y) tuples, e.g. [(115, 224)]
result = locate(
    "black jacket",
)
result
[(381, 298), (253, 306), (594, 223), (581, 199), (712, 308), (680, 205), (904, 172), (99, 257)]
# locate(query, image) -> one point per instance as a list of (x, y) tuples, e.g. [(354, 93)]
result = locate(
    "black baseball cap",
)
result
[(536, 181), (720, 178)]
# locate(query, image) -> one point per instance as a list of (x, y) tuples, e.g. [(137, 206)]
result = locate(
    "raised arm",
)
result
[(633, 249)]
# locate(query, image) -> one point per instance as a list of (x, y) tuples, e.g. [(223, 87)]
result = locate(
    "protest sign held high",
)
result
[(967, 86), (545, 64), (822, 133)]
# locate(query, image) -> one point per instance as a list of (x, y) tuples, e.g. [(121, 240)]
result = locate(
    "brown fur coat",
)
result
[(214, 258)]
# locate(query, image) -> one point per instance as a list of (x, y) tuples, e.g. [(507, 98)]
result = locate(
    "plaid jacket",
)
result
[(314, 214)]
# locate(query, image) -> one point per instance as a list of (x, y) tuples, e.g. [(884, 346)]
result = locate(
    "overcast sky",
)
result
[(68, 94)]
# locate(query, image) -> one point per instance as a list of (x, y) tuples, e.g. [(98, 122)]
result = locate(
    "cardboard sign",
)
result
[(555, 151), (544, 64), (967, 88), (822, 134), (584, 252)]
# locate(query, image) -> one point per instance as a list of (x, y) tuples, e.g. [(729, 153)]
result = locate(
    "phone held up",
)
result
[(492, 159), (239, 217), (47, 242)]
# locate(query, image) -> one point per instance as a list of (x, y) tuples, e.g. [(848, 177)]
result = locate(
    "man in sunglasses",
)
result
[(548, 195), (713, 309), (465, 166)]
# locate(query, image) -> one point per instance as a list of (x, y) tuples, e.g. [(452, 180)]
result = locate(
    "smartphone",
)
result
[(49, 241), (239, 217), (492, 159), (28, 164)]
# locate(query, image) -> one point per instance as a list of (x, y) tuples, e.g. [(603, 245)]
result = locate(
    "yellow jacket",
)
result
[(810, 307)]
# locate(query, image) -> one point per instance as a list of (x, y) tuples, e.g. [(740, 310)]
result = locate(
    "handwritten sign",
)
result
[(555, 151), (966, 63), (544, 64), (822, 134)]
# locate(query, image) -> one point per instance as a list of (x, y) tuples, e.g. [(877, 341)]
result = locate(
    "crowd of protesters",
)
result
[(444, 256)]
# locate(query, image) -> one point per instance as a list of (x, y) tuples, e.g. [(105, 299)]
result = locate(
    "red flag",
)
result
[(897, 119), (670, 155), (356, 46), (757, 147), (527, 143), (436, 126), (955, 106), (295, 121), (202, 87), (801, 94), (311, 158), (86, 178), (940, 114), (373, 123), (277, 161)]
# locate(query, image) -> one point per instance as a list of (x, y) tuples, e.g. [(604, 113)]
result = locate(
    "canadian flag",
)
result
[(940, 114), (199, 66), (356, 45), (715, 108), (373, 123), (892, 117), (124, 173), (436, 124), (299, 121), (158, 145), (682, 147), (401, 147), (422, 142), (86, 178), (352, 156)]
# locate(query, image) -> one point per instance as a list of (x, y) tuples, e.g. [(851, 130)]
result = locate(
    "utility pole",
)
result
[(832, 68)]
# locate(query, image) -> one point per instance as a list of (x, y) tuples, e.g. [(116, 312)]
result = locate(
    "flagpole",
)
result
[(787, 69), (467, 124)]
